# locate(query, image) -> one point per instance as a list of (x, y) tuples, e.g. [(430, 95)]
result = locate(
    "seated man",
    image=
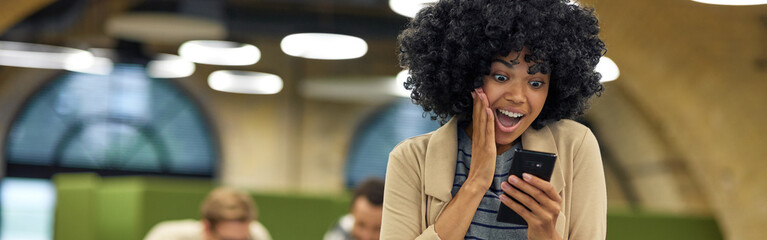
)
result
[(364, 220), (226, 215)]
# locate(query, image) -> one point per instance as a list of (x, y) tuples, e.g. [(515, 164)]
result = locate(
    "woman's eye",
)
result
[(536, 84), (500, 78)]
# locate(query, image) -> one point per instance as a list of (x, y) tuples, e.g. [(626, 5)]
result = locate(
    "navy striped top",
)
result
[(484, 225)]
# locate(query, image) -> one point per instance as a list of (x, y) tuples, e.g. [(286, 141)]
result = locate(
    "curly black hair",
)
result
[(449, 46)]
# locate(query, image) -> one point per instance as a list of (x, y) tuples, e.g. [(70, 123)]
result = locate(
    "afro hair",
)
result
[(449, 46)]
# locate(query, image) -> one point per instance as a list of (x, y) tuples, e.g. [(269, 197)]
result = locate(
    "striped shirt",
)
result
[(484, 225)]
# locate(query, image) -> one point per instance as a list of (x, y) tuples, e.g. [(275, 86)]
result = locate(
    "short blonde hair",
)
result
[(226, 204)]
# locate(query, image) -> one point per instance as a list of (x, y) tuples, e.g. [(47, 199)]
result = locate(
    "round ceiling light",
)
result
[(18, 54), (409, 8), (169, 66), (100, 66), (245, 82), (608, 69), (216, 52), (324, 46), (399, 84), (733, 2)]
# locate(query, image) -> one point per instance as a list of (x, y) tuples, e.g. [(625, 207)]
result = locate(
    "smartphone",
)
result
[(539, 164)]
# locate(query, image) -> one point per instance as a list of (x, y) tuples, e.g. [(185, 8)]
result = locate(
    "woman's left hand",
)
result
[(543, 201)]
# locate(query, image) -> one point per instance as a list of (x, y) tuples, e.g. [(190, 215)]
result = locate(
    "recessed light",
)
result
[(216, 52), (100, 66), (409, 8), (608, 69), (169, 66), (245, 82), (19, 54), (324, 46), (733, 2), (399, 84)]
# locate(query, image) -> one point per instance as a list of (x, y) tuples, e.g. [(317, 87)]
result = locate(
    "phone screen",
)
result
[(539, 164)]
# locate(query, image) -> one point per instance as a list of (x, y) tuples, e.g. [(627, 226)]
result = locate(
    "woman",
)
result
[(506, 74)]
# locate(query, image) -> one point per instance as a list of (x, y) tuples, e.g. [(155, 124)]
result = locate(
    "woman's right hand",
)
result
[(483, 149), (456, 218)]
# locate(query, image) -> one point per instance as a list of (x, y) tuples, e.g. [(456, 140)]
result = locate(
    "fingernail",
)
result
[(503, 197), (504, 186), (526, 176), (473, 95), (513, 179)]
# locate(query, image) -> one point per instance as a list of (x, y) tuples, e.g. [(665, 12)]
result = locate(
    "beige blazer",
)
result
[(421, 169)]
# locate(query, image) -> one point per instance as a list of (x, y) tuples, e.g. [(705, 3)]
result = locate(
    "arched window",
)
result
[(117, 124), (377, 136)]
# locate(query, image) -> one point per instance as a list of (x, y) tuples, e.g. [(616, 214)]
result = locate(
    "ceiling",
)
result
[(130, 25)]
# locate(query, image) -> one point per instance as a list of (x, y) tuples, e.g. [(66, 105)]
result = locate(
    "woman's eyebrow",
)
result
[(504, 62)]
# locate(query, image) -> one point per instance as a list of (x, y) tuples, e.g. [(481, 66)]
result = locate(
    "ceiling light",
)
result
[(732, 2), (18, 54), (324, 46), (399, 84), (100, 66), (245, 82), (608, 69), (409, 8), (169, 66), (216, 52)]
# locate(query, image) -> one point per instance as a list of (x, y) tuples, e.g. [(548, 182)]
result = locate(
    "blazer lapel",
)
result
[(441, 157)]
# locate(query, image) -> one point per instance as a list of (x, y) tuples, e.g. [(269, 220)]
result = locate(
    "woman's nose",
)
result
[(515, 92)]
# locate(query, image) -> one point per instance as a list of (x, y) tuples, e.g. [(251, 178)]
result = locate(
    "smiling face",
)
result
[(515, 96)]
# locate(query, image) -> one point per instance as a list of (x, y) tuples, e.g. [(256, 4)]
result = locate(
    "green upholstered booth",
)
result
[(659, 226), (75, 216), (125, 208)]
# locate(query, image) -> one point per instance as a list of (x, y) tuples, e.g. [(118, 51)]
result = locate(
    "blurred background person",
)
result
[(363, 222), (227, 214)]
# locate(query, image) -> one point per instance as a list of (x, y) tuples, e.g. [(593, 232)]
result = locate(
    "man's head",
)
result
[(226, 215), (367, 208)]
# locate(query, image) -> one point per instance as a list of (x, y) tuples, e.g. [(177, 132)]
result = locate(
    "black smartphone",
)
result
[(539, 164)]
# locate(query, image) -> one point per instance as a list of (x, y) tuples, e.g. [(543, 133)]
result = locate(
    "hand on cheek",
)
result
[(482, 140)]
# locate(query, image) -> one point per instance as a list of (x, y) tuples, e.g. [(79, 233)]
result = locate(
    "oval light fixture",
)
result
[(217, 52), (399, 84), (100, 66), (409, 8), (733, 2), (245, 82), (324, 46), (608, 69), (29, 55), (102, 62), (169, 66)]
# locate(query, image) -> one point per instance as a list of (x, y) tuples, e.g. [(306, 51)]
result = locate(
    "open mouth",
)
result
[(508, 119)]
